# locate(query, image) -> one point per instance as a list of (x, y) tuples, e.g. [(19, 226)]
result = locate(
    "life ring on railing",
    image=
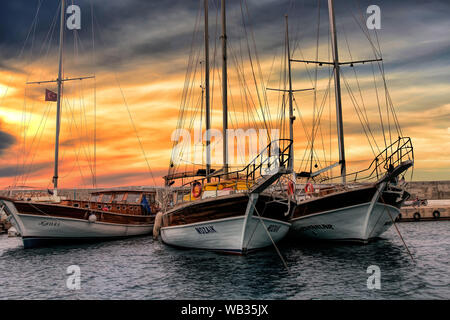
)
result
[(290, 188), (309, 188), (196, 189)]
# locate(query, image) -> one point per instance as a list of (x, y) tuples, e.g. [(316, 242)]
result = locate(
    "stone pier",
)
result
[(435, 195)]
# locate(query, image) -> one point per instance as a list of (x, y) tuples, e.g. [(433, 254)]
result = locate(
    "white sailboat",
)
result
[(229, 211), (363, 204), (54, 219)]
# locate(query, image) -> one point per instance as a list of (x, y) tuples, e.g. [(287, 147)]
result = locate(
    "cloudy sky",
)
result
[(140, 59)]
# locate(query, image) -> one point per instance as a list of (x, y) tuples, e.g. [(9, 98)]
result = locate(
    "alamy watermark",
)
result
[(374, 280), (243, 146), (74, 20), (73, 281), (374, 20)]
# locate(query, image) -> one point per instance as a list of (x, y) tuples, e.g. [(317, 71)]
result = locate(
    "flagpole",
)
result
[(58, 101)]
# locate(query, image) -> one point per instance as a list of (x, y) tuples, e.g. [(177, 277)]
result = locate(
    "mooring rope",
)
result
[(271, 239)]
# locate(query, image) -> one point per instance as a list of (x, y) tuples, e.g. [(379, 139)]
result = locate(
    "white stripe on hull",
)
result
[(35, 226), (345, 223), (225, 234)]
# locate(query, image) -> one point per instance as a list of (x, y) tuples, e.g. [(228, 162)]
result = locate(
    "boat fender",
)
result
[(12, 232), (92, 218), (417, 216), (309, 188), (157, 225), (290, 188), (197, 190), (436, 214)]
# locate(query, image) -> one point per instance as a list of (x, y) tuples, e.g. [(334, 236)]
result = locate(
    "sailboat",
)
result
[(109, 214), (223, 210), (363, 204)]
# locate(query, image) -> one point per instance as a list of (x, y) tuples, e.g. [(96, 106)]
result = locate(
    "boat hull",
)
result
[(39, 230), (354, 215), (226, 235), (221, 224), (346, 224)]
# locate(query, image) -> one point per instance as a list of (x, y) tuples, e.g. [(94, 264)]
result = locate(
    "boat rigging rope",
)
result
[(398, 231), (270, 237), (128, 109)]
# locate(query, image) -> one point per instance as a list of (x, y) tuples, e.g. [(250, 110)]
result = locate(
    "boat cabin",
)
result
[(132, 202)]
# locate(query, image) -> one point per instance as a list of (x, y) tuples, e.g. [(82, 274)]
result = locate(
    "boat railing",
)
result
[(392, 156), (268, 162)]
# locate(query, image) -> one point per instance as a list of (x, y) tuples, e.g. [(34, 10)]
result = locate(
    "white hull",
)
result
[(36, 230), (354, 223), (227, 234)]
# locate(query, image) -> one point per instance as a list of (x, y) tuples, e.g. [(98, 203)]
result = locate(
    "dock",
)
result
[(429, 201)]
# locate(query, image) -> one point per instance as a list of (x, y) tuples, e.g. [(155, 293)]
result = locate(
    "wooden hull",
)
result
[(42, 224), (226, 235), (346, 216), (221, 224)]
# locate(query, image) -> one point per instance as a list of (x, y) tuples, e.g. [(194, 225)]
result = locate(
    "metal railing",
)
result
[(275, 155), (391, 157)]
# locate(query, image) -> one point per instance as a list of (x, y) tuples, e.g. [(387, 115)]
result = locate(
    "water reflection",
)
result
[(141, 268)]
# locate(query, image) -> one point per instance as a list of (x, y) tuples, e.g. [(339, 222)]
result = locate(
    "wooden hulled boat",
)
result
[(227, 211), (362, 205), (352, 212), (50, 218), (232, 215), (106, 215)]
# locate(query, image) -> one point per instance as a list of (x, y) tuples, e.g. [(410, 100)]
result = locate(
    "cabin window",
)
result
[(76, 205), (133, 197), (94, 198), (99, 206), (109, 207), (119, 197), (150, 197), (124, 208), (86, 206), (118, 207), (107, 198)]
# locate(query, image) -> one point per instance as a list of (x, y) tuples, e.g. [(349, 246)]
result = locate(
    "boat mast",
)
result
[(224, 89), (58, 102), (291, 109), (207, 104), (337, 85)]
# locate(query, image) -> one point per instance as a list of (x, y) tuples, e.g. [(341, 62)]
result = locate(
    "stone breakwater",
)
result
[(430, 200)]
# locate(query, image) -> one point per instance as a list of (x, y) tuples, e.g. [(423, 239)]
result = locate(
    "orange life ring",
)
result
[(290, 188), (196, 190), (309, 188)]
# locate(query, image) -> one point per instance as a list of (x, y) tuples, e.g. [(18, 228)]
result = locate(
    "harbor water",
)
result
[(140, 268)]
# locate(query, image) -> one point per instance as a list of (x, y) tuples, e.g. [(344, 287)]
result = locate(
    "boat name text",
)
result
[(49, 223), (317, 227), (205, 230)]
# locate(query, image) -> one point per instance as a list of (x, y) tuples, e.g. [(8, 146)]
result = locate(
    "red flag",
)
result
[(50, 95)]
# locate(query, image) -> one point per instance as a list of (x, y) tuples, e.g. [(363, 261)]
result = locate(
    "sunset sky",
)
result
[(141, 54)]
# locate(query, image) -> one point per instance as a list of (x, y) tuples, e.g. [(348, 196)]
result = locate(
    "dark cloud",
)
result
[(130, 178), (13, 170), (144, 32), (6, 141)]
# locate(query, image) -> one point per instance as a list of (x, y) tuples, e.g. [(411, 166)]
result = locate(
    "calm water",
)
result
[(140, 268)]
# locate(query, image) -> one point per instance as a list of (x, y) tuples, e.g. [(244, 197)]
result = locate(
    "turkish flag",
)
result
[(50, 95)]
